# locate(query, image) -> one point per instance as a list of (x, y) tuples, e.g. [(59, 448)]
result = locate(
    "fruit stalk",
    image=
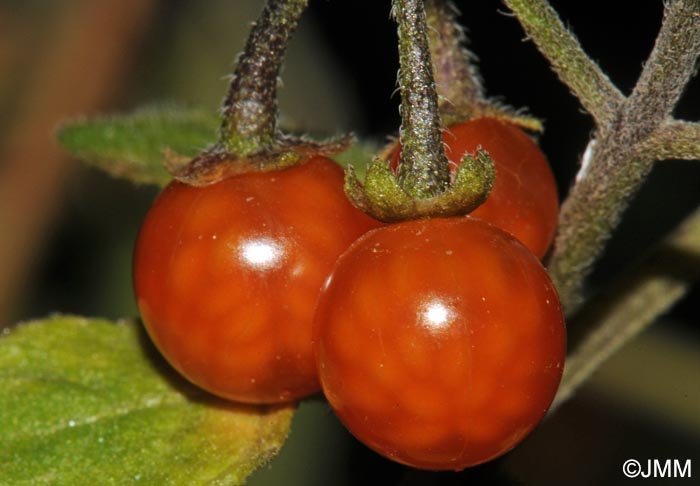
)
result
[(457, 79), (250, 109), (461, 94), (424, 170)]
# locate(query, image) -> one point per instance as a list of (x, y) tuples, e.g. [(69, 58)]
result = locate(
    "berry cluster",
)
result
[(438, 340)]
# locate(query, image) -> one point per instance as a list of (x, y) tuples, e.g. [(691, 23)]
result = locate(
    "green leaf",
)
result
[(359, 155), (132, 146), (91, 402)]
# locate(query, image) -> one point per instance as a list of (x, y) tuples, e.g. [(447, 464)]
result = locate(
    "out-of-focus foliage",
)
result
[(132, 147), (91, 402)]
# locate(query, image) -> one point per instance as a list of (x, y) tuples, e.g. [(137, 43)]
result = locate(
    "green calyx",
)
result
[(249, 139), (218, 163), (423, 187), (382, 196)]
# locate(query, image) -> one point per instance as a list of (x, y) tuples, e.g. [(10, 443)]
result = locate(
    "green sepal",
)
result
[(218, 164), (382, 197)]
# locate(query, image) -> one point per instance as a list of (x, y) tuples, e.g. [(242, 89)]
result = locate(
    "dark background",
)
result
[(340, 76)]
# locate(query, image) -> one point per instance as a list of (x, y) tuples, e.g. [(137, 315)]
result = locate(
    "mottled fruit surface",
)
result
[(226, 276), (524, 199), (440, 343)]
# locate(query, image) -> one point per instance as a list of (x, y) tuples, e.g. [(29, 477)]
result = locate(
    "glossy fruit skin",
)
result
[(226, 276), (524, 200), (440, 343)]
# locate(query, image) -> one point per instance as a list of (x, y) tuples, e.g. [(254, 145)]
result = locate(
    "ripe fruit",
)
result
[(440, 343), (226, 276), (524, 198)]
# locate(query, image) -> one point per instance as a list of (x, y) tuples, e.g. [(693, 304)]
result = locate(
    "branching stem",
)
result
[(623, 153), (669, 68)]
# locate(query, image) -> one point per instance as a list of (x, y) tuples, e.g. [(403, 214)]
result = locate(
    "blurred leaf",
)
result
[(359, 155), (131, 146), (91, 402)]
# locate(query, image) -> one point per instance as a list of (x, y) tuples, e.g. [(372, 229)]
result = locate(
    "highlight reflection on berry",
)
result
[(261, 254)]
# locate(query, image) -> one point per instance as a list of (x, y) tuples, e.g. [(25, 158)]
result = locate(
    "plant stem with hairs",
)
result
[(250, 110), (424, 170), (632, 134), (633, 303), (423, 187), (249, 139), (459, 85)]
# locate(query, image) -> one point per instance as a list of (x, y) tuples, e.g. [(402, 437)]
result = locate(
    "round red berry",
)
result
[(440, 343), (226, 276)]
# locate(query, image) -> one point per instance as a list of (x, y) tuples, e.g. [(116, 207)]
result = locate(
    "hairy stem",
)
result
[(634, 303), (457, 79), (675, 140), (461, 95), (424, 170), (618, 163), (669, 68), (250, 108), (597, 93)]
